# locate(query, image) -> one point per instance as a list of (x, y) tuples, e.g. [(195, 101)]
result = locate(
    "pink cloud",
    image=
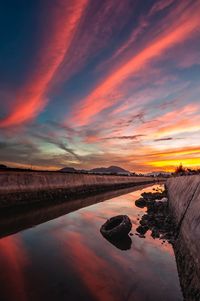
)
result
[(31, 99), (160, 5), (97, 29), (103, 96)]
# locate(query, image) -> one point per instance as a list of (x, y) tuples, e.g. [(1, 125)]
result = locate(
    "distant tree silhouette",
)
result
[(180, 169)]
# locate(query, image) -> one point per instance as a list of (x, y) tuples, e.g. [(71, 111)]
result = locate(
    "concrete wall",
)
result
[(180, 191), (18, 187), (184, 201), (26, 181)]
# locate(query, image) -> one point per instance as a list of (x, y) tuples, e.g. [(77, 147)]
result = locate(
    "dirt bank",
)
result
[(17, 188)]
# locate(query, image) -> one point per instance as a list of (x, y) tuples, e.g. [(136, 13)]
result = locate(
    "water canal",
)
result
[(66, 257)]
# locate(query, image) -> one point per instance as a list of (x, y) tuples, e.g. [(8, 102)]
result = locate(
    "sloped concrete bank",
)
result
[(20, 188), (184, 201)]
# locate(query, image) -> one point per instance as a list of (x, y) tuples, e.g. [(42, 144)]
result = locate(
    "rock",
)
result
[(153, 195), (164, 200), (116, 227), (142, 229), (158, 218), (155, 233), (141, 203)]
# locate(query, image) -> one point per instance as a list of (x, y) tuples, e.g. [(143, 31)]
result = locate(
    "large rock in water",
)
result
[(116, 227)]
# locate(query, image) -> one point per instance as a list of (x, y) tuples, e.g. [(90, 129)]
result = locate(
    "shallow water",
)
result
[(68, 259)]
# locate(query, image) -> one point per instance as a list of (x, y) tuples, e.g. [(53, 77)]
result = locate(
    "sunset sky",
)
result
[(90, 83)]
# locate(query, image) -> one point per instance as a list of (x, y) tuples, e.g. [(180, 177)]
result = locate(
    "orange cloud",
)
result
[(175, 152), (168, 159), (184, 125), (182, 120), (170, 164), (31, 99), (105, 94)]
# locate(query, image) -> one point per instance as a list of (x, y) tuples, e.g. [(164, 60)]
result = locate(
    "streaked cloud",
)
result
[(109, 83), (106, 93), (167, 139), (31, 99)]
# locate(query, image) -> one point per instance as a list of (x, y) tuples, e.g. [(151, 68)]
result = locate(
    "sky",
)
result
[(90, 83)]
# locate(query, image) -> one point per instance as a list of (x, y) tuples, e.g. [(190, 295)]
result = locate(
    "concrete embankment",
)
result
[(184, 202), (18, 188)]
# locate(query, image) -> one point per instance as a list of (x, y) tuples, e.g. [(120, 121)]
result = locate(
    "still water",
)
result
[(66, 258)]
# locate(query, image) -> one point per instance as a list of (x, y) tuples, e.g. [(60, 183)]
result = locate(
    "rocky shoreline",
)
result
[(158, 218)]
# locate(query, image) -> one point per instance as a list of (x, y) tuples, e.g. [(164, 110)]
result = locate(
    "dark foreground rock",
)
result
[(116, 227), (116, 230), (141, 203)]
